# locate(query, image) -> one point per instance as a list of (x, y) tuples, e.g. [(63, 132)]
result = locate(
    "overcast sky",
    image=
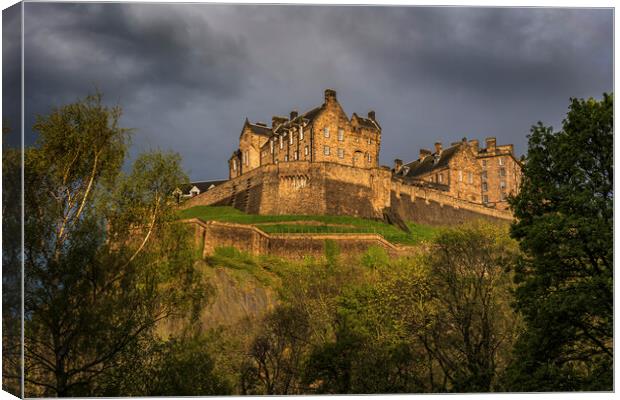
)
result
[(187, 75)]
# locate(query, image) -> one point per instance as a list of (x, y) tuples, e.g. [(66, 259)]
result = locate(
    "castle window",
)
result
[(484, 163), (326, 132), (340, 153), (502, 185), (286, 157), (341, 135), (326, 150), (460, 176), (301, 133), (234, 164), (271, 146), (485, 199), (484, 187), (470, 177), (502, 172), (368, 157), (281, 143), (501, 161), (296, 155), (369, 141), (483, 175), (440, 178), (290, 139), (306, 151)]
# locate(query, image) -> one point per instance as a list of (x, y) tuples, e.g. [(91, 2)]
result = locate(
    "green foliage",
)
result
[(375, 257), (332, 252), (565, 229), (472, 326), (105, 260), (11, 271)]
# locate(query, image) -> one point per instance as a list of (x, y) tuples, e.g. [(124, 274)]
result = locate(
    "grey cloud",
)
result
[(188, 74)]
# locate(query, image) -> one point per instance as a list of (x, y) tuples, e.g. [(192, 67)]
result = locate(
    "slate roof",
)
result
[(367, 122), (259, 129), (203, 186), (308, 115), (428, 163)]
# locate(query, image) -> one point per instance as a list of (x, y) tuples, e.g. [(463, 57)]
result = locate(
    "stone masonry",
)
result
[(322, 162)]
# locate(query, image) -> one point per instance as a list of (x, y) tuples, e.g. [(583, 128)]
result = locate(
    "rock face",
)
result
[(236, 296)]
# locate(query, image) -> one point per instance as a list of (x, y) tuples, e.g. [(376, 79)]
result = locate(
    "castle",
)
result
[(323, 162)]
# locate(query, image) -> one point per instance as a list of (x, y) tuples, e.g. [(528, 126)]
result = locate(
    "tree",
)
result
[(275, 355), (564, 213), (11, 269), (471, 327), (104, 264)]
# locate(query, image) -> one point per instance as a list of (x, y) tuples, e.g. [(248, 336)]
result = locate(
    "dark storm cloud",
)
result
[(11, 73), (187, 75)]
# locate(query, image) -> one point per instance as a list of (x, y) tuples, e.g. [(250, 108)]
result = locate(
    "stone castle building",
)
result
[(322, 134), (323, 162), (465, 171)]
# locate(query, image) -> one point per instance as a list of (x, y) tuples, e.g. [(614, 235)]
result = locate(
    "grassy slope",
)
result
[(330, 224)]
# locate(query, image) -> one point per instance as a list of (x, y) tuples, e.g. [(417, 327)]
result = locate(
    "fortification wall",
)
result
[(323, 188), (434, 207), (214, 234), (304, 188)]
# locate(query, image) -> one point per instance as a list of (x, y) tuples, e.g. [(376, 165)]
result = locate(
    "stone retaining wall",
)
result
[(248, 238)]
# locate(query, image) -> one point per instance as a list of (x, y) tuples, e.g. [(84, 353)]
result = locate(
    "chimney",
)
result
[(491, 142), (438, 147), (424, 153), (330, 95), (293, 115), (398, 164), (371, 115), (475, 146)]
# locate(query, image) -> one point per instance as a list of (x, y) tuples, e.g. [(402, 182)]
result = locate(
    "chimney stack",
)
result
[(293, 114), (330, 95), (398, 164), (371, 115), (474, 145), (491, 142), (424, 153), (438, 147)]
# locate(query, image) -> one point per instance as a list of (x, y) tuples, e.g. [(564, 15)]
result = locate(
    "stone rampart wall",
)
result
[(322, 188), (434, 207)]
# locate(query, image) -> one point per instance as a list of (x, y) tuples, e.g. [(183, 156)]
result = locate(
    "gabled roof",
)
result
[(257, 129), (309, 115), (203, 186), (429, 163), (367, 122)]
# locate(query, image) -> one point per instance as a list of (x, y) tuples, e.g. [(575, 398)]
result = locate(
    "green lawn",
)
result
[(327, 224)]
